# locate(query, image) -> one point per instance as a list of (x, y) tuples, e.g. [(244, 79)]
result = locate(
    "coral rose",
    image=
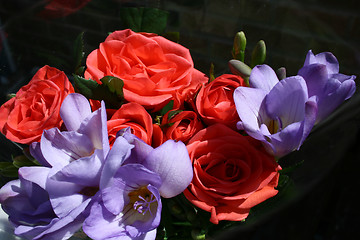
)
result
[(35, 107), (154, 70), (182, 126), (215, 103), (232, 173), (134, 115), (62, 8)]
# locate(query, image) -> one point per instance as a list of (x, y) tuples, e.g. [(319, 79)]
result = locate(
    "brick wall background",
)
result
[(207, 27)]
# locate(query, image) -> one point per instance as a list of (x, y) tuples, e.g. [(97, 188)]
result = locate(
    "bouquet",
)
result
[(139, 144)]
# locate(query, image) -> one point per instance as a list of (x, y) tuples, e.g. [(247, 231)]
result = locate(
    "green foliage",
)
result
[(150, 20), (78, 53), (111, 90)]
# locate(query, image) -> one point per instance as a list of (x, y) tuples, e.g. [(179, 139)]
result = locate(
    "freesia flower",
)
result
[(280, 114), (27, 203), (75, 156), (321, 73), (129, 204)]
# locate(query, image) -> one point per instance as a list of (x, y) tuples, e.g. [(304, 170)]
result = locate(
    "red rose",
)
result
[(62, 8), (182, 126), (232, 173), (154, 70), (35, 107), (134, 115), (215, 103)]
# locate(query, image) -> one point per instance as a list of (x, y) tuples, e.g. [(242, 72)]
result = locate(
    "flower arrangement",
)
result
[(140, 141)]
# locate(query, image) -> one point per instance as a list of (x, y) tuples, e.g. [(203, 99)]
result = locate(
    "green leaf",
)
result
[(78, 52), (7, 169), (150, 20), (110, 91), (173, 114), (115, 85), (167, 108), (22, 161)]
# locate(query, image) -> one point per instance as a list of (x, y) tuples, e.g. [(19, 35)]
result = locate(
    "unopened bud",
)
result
[(239, 46), (258, 54)]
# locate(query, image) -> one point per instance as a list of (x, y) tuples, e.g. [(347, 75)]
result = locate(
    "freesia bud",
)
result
[(239, 46), (239, 68), (281, 73), (258, 54)]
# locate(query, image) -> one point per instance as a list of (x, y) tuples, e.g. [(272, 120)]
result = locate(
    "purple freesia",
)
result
[(114, 193), (278, 113), (321, 73), (27, 203), (76, 156), (129, 204)]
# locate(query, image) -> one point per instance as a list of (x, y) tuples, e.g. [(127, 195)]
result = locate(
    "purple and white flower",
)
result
[(27, 203), (129, 203), (321, 73), (278, 113)]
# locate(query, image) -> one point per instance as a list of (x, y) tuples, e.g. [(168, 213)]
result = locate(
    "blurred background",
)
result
[(322, 202)]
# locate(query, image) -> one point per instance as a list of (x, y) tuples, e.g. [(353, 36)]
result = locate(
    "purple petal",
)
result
[(58, 229), (95, 127), (74, 109), (128, 178), (120, 151), (287, 140), (37, 175), (35, 151), (263, 77), (141, 149), (10, 189), (287, 100), (311, 112), (64, 196), (327, 104), (329, 60), (172, 162), (316, 77), (84, 171), (60, 148), (249, 106), (129, 224)]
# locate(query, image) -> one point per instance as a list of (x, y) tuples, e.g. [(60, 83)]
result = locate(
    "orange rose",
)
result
[(134, 115), (154, 70), (215, 103), (182, 126), (232, 173), (35, 107)]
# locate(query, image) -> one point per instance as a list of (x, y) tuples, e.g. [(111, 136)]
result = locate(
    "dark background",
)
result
[(322, 202)]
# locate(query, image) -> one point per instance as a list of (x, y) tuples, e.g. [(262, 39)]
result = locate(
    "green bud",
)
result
[(281, 73), (212, 72), (239, 46), (239, 68), (258, 54)]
